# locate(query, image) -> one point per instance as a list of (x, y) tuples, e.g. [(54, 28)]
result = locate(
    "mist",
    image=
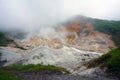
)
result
[(30, 16)]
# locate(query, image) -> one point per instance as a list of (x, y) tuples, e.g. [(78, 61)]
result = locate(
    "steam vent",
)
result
[(78, 33)]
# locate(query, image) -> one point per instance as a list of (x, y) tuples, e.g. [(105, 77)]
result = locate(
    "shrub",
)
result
[(38, 67), (111, 61)]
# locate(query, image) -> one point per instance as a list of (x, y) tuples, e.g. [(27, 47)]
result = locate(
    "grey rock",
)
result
[(8, 57), (67, 57)]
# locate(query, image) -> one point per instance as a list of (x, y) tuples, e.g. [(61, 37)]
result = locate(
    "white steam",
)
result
[(31, 15)]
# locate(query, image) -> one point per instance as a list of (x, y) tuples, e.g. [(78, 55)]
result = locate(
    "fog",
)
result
[(30, 15)]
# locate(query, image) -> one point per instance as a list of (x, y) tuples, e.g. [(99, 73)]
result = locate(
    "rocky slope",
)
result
[(78, 33), (8, 57), (67, 57), (70, 45)]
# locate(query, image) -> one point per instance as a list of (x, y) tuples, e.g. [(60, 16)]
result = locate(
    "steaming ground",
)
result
[(42, 32), (77, 32), (67, 57), (70, 45)]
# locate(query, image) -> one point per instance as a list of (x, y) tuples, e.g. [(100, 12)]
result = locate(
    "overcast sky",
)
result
[(30, 14)]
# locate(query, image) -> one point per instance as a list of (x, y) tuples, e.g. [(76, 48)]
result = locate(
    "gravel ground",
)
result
[(62, 77), (58, 76)]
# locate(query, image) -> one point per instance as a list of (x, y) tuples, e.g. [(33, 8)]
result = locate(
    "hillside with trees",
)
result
[(110, 27)]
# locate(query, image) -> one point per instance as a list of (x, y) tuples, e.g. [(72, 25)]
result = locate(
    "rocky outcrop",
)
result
[(81, 34), (67, 57), (78, 33), (8, 57)]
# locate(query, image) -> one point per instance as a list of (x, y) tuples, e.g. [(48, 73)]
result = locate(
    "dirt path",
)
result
[(52, 75), (55, 75)]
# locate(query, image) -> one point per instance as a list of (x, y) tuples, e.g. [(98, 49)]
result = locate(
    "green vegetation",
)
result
[(9, 72), (6, 75), (38, 67), (4, 40), (111, 61), (110, 27)]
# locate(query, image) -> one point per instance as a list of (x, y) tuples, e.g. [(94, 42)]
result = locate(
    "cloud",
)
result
[(29, 15), (104, 9)]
